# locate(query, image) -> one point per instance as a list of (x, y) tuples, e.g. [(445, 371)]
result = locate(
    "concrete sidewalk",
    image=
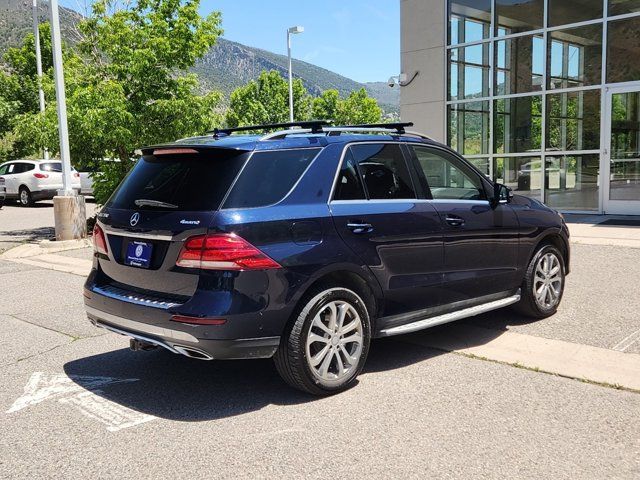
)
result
[(590, 230), (51, 256)]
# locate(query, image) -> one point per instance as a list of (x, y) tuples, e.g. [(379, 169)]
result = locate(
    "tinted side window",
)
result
[(448, 177), (349, 186), (27, 167), (3, 169), (268, 177), (384, 171)]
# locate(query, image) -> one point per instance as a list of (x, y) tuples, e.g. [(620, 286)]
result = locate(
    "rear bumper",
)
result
[(183, 342)]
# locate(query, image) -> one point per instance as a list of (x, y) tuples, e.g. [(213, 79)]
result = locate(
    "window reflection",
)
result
[(575, 57), (573, 121), (571, 182), (623, 50), (519, 16), (619, 7), (469, 72), (469, 20), (519, 65), (518, 124), (563, 12), (625, 147), (522, 174), (469, 128)]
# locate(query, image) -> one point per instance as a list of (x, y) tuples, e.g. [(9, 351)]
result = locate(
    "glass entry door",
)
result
[(621, 162)]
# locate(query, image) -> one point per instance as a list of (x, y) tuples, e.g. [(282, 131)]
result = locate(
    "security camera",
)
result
[(400, 80)]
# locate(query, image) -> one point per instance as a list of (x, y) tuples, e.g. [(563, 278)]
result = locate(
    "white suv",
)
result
[(31, 180), (1, 192)]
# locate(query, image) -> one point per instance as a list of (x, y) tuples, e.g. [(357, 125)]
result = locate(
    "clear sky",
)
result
[(359, 39)]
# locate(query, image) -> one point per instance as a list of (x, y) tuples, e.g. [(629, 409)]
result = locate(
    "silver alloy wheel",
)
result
[(547, 282), (24, 197), (334, 343)]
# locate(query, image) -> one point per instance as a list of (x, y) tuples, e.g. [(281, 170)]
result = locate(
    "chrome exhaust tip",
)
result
[(192, 353)]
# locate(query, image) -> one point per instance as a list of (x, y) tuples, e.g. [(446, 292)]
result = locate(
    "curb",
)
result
[(558, 357), (44, 247)]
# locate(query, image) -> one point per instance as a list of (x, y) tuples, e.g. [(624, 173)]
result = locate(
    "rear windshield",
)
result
[(194, 182), (51, 167), (268, 177)]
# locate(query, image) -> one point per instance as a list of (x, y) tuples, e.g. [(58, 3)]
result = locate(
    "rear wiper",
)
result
[(144, 202)]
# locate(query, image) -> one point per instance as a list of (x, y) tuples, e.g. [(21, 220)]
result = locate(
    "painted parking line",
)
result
[(567, 359), (83, 393), (627, 342), (115, 416)]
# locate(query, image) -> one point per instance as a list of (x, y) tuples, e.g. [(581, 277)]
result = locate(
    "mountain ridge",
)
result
[(225, 67)]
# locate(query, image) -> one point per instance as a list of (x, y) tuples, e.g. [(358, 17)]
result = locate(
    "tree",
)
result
[(23, 71), (19, 92), (356, 109), (266, 100), (325, 107), (129, 86)]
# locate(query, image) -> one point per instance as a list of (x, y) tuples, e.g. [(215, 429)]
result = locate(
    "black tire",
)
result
[(24, 197), (292, 360), (529, 304)]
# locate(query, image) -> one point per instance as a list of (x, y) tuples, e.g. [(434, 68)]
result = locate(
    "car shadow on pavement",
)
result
[(182, 389), (500, 319), (30, 235), (45, 204), (179, 388)]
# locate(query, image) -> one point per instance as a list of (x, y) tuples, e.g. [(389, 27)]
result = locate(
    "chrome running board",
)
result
[(450, 317)]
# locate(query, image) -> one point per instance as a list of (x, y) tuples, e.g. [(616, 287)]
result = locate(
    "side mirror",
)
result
[(501, 194)]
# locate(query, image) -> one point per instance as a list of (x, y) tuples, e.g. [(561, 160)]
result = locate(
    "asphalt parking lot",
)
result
[(19, 224), (77, 403)]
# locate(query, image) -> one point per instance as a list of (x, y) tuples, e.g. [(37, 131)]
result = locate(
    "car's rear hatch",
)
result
[(50, 176), (169, 196)]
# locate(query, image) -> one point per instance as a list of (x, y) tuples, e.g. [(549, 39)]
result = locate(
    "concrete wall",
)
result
[(422, 49)]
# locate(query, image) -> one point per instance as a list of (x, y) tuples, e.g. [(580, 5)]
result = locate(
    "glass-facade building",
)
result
[(544, 96)]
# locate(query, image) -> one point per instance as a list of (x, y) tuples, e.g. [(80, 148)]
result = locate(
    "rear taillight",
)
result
[(77, 175), (41, 175), (99, 240), (223, 251)]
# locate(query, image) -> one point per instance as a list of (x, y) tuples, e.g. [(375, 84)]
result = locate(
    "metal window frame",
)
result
[(543, 153)]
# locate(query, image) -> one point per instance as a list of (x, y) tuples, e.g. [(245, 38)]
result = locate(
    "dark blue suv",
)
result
[(303, 244)]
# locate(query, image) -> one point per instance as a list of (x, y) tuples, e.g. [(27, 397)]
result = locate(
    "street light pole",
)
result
[(36, 35), (68, 208), (61, 98), (290, 31)]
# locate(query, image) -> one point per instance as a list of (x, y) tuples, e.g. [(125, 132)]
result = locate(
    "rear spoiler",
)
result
[(180, 149)]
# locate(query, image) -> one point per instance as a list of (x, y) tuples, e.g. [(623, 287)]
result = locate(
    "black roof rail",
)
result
[(398, 126), (314, 125)]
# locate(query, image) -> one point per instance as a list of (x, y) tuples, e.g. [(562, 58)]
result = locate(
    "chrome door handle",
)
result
[(360, 227), (454, 221)]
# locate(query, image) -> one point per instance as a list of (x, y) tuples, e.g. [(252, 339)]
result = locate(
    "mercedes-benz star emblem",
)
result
[(135, 218)]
